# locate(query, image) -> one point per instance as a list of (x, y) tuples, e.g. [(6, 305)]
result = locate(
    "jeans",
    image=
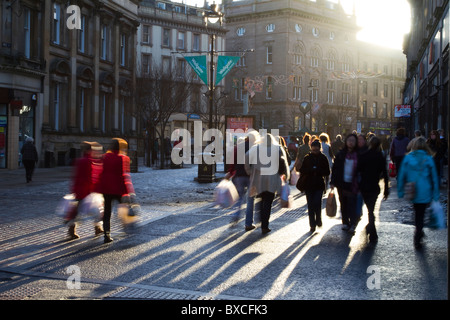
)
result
[(314, 200), (348, 202), (242, 184), (266, 207)]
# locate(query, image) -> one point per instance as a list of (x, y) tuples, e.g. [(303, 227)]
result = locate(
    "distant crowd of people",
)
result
[(353, 165)]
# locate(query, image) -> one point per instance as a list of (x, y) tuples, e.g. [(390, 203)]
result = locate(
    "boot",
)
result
[(108, 238), (98, 230), (72, 232)]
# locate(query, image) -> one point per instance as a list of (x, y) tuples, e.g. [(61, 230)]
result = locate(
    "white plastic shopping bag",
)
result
[(225, 194), (436, 216), (66, 205), (92, 205)]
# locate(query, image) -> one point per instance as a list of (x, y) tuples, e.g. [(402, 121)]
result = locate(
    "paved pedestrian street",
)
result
[(184, 248)]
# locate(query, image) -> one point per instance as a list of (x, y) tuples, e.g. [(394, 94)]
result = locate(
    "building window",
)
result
[(345, 98), (269, 85), (56, 105), (364, 87), (103, 113), (239, 87), (330, 95), (386, 91), (269, 55), (166, 38), (104, 42), (146, 34), (81, 109), (364, 108), (161, 5), (270, 27), (123, 49), (346, 64), (375, 109), (27, 33), (385, 111), (146, 64), (331, 61), (315, 56), (296, 89), (82, 35), (181, 37), (375, 89), (240, 31), (181, 68), (56, 31), (196, 43), (122, 115)]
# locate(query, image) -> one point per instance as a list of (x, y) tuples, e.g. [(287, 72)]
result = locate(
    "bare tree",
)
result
[(160, 93)]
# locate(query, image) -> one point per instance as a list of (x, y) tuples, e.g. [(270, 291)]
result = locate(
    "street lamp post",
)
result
[(213, 16), (206, 172)]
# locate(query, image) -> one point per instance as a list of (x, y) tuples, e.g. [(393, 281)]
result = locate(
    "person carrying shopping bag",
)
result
[(418, 180), (264, 181), (115, 181)]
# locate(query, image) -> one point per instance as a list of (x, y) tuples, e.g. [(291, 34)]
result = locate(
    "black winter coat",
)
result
[(371, 168), (315, 167)]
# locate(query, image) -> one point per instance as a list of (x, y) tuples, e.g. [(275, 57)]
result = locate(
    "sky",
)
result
[(384, 22)]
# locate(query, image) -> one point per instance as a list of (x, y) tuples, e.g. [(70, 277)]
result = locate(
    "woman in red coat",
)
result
[(115, 181), (82, 186)]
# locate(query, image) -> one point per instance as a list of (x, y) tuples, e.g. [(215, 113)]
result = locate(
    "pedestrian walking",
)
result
[(398, 148), (82, 186), (337, 145), (263, 184), (371, 167), (328, 152), (362, 147), (303, 150), (316, 168), (115, 181), (241, 180), (29, 158), (418, 172), (438, 150), (344, 178)]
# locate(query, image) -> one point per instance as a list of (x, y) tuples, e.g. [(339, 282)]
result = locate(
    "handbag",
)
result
[(392, 170), (331, 206), (410, 190)]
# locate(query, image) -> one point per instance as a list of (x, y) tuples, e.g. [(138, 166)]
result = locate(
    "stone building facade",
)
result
[(61, 84), (427, 51), (308, 52)]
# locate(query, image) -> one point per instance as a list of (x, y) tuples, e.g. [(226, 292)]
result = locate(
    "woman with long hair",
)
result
[(344, 178), (419, 170)]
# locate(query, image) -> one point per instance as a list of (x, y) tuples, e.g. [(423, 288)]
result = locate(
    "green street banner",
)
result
[(224, 65), (198, 63)]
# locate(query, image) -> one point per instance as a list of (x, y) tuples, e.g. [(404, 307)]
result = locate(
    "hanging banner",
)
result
[(224, 65), (198, 63)]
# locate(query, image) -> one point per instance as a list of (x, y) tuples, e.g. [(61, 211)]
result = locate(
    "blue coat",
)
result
[(419, 167)]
